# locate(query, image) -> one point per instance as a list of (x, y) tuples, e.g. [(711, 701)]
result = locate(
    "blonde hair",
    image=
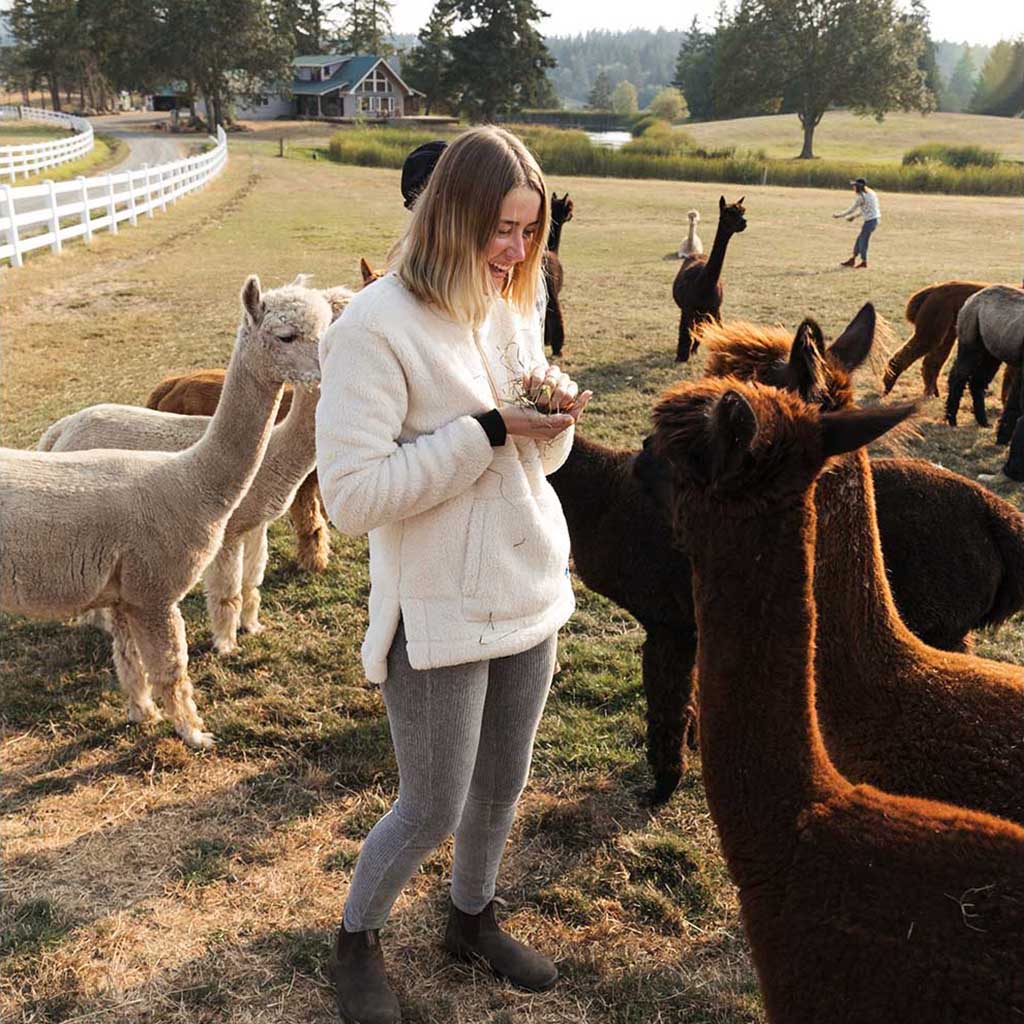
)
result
[(441, 257)]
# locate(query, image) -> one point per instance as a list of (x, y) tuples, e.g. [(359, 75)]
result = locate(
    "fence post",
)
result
[(149, 192), (133, 216), (163, 188), (86, 218), (111, 204), (56, 245), (12, 231)]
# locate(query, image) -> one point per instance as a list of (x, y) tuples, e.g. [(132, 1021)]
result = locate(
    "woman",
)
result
[(865, 204), (437, 425)]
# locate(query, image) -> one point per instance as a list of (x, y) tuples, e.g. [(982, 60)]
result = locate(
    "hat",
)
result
[(860, 182), (417, 169)]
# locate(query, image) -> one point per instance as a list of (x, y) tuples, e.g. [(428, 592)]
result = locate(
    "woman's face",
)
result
[(518, 223)]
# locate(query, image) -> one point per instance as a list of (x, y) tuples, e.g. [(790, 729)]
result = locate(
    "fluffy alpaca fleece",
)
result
[(133, 531), (858, 905), (691, 245), (932, 311), (697, 289), (893, 712)]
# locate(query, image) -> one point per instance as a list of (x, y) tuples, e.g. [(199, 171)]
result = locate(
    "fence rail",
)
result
[(32, 157), (49, 214)]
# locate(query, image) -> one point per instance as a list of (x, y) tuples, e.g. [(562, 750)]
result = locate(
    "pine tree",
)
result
[(428, 67), (367, 26), (695, 69), (962, 83), (600, 97), (1000, 79)]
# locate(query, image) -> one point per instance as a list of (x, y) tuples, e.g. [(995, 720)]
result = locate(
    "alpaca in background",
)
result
[(691, 245), (697, 289), (858, 905), (554, 276)]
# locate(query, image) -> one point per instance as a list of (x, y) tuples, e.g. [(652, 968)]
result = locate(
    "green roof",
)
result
[(345, 78), (318, 60)]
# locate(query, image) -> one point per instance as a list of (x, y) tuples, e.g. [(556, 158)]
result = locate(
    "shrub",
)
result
[(959, 157), (669, 105)]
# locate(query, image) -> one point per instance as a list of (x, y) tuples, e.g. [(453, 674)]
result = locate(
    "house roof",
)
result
[(318, 60), (346, 78)]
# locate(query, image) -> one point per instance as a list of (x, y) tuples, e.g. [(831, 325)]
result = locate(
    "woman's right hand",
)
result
[(541, 426)]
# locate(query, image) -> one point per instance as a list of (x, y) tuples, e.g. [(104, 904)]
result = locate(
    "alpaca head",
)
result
[(746, 446), (693, 215), (561, 208), (732, 216), (801, 363), (280, 331)]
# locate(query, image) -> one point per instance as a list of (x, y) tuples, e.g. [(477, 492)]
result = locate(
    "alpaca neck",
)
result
[(858, 616), (555, 235), (713, 267), (692, 234), (229, 453), (762, 755), (583, 481), (292, 448)]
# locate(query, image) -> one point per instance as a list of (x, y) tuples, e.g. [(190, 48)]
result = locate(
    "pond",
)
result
[(613, 140)]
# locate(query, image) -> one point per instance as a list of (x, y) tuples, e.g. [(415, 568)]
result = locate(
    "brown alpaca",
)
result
[(554, 275), (697, 289), (898, 714), (197, 394), (859, 906), (933, 312)]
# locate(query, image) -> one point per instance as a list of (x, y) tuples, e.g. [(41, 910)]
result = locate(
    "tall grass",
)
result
[(656, 155), (952, 156)]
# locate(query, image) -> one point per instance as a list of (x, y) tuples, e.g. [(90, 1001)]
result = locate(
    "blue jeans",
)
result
[(860, 247)]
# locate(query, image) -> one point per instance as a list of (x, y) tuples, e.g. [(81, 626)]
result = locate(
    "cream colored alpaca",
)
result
[(232, 580), (691, 245), (133, 531)]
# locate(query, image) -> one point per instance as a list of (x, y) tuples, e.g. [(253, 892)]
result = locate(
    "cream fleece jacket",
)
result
[(468, 543)]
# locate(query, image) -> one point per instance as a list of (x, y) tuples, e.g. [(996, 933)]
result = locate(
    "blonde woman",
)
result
[(437, 425)]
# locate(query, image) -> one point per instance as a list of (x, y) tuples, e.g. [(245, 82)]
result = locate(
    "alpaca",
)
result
[(554, 324), (990, 331), (858, 905), (697, 289), (873, 670), (691, 245), (133, 531), (232, 579), (932, 311)]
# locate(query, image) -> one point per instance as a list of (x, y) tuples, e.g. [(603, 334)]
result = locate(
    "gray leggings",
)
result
[(463, 736)]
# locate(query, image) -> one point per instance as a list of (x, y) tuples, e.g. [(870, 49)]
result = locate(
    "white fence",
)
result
[(33, 157), (34, 216)]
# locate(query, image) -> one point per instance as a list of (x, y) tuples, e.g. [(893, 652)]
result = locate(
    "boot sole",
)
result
[(471, 956)]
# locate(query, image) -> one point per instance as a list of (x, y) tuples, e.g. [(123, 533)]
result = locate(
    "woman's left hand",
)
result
[(553, 391)]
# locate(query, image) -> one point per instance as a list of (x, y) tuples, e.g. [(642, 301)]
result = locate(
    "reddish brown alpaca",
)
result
[(697, 289), (858, 905), (932, 311), (197, 394), (894, 712)]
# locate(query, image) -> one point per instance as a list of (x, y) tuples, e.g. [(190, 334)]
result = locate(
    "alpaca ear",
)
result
[(367, 271), (721, 202), (739, 202), (734, 426), (805, 359), (852, 347), (850, 429), (252, 301), (302, 280)]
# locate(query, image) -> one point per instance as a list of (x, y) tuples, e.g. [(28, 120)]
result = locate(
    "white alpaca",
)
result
[(691, 245), (133, 531), (232, 580)]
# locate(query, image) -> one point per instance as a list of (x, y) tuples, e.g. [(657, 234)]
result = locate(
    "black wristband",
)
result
[(494, 427)]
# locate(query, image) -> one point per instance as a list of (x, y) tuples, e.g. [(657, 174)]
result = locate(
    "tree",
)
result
[(962, 82), (817, 54), (428, 67), (499, 63), (49, 34), (600, 97), (303, 20), (695, 69), (367, 26), (669, 104), (1001, 82), (624, 98)]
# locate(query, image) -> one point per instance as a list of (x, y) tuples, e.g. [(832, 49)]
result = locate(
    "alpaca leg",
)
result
[(685, 344), (1014, 465), (986, 369), (554, 326), (254, 563), (159, 634), (310, 524), (668, 657), (935, 360), (915, 347), (223, 583), (131, 675), (1013, 400), (963, 368)]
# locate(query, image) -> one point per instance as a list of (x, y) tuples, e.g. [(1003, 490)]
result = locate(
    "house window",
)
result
[(376, 81)]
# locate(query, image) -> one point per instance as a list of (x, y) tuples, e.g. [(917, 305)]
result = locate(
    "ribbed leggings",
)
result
[(463, 736)]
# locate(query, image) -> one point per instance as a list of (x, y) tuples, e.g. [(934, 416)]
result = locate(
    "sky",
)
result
[(978, 22)]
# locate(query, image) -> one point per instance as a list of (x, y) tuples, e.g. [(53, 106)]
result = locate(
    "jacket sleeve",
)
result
[(856, 205), (367, 478)]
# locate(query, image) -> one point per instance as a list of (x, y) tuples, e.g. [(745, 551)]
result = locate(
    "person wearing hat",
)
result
[(865, 204)]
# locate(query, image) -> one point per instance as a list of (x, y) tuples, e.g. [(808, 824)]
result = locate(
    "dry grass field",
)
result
[(147, 883)]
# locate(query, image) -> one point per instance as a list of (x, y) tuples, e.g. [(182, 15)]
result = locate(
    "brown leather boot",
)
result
[(361, 987), (470, 935), (848, 263)]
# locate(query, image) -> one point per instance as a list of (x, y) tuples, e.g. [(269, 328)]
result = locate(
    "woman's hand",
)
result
[(559, 404)]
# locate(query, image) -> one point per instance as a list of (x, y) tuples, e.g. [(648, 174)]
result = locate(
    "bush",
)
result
[(959, 157), (669, 105), (660, 139)]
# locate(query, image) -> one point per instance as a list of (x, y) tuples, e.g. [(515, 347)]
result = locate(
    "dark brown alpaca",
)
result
[(894, 712), (933, 312), (554, 275), (858, 905), (197, 394), (697, 289)]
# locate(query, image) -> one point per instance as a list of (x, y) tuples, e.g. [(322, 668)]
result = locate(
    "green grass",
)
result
[(105, 153), (19, 133), (161, 884)]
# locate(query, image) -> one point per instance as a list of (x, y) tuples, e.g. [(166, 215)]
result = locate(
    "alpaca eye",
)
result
[(287, 338)]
